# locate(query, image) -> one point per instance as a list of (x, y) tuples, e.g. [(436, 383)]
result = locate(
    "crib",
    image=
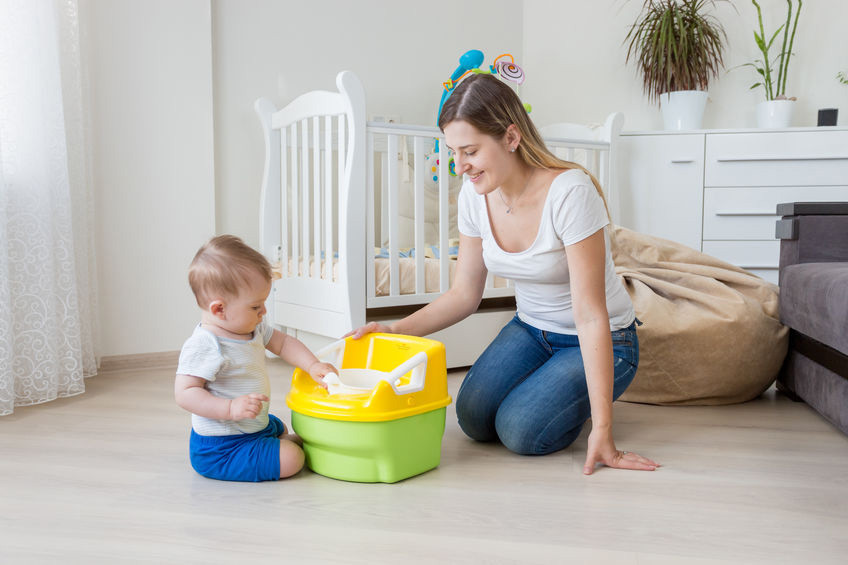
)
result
[(359, 218)]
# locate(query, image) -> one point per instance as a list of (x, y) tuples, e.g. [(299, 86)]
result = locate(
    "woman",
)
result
[(526, 215)]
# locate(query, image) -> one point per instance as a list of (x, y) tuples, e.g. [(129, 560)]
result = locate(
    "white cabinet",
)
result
[(662, 179), (724, 202)]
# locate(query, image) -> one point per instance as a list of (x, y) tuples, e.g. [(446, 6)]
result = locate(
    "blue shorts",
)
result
[(249, 457)]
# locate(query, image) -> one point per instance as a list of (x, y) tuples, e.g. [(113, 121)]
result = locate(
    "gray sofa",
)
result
[(814, 305)]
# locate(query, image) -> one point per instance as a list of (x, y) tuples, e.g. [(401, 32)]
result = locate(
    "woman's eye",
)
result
[(470, 153)]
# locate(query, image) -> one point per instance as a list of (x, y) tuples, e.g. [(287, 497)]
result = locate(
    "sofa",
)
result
[(813, 278)]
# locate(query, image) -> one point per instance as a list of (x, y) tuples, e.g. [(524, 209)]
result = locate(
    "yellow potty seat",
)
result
[(382, 418)]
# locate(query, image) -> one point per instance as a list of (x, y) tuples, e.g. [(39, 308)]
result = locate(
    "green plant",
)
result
[(676, 45), (775, 89), (842, 77)]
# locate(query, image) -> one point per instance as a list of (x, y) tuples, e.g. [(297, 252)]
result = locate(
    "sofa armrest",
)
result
[(812, 232)]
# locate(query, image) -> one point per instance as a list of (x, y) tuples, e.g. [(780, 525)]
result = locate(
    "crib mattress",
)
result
[(406, 270)]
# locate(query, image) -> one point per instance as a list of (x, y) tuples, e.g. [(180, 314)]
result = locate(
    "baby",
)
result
[(221, 377)]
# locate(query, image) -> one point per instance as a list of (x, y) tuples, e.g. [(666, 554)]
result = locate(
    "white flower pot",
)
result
[(775, 113), (683, 110)]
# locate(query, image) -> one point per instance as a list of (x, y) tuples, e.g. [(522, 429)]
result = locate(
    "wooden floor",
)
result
[(104, 478)]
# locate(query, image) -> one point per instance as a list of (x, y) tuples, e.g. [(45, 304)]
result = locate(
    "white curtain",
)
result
[(47, 271)]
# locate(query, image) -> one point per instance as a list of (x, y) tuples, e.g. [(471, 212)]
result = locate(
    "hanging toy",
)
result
[(469, 62), (508, 70)]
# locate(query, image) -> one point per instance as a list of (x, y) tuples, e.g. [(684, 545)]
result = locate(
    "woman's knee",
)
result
[(291, 458), (475, 420), (526, 439)]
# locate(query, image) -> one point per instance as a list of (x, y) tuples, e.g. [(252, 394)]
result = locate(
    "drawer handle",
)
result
[(683, 161), (752, 213), (787, 158)]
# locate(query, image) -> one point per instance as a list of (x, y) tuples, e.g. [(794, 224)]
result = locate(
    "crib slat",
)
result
[(305, 196), (594, 160), (418, 211), (444, 217), (370, 284), (329, 201), (284, 204), (341, 199), (317, 194), (295, 193), (394, 272)]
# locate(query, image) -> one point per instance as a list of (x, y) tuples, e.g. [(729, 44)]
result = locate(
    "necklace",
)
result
[(509, 206)]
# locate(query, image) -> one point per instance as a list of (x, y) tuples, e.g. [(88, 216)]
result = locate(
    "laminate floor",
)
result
[(104, 477)]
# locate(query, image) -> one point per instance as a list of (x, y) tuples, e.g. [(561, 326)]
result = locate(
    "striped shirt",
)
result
[(232, 368)]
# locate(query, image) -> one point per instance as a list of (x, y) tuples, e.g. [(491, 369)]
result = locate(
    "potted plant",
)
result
[(678, 48), (776, 110)]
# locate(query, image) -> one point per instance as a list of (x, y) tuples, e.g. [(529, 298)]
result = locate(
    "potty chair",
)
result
[(381, 419)]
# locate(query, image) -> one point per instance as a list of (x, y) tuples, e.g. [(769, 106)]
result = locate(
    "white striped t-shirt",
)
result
[(232, 368)]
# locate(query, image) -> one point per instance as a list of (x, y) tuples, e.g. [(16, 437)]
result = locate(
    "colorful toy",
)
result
[(469, 62), (382, 418)]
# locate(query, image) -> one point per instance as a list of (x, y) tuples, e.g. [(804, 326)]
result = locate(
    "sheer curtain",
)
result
[(47, 271)]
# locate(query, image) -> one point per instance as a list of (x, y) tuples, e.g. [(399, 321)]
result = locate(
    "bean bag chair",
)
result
[(711, 331)]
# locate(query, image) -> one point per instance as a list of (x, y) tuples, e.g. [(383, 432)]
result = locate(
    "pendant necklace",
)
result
[(509, 206)]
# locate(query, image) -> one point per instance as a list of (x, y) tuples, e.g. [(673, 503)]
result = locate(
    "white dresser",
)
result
[(717, 190)]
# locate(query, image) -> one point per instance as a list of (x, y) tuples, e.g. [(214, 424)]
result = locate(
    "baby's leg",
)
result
[(293, 437), (291, 456)]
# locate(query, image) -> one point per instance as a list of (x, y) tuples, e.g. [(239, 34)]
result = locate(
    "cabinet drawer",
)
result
[(749, 212), (663, 186), (750, 255), (782, 158)]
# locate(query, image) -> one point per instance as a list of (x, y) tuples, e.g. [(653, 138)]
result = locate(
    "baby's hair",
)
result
[(222, 266)]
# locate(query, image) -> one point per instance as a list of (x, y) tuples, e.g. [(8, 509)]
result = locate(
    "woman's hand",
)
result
[(602, 450), (371, 327)]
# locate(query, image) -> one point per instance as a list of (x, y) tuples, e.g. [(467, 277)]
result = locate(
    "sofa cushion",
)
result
[(814, 302)]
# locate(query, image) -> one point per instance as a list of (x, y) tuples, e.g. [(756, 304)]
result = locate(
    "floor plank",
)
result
[(104, 477)]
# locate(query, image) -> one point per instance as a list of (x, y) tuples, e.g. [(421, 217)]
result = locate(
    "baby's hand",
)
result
[(318, 369), (247, 406)]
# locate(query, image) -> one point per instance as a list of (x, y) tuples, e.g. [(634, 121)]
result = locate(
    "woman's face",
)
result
[(486, 160)]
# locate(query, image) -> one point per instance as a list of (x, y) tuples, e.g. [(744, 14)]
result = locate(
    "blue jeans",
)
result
[(528, 389)]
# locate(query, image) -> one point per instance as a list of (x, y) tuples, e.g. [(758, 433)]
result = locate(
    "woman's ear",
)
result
[(512, 138)]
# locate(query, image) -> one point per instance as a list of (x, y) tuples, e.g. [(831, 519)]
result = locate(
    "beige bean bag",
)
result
[(711, 332)]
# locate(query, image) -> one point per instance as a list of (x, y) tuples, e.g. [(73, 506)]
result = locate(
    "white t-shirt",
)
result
[(232, 368), (573, 211)]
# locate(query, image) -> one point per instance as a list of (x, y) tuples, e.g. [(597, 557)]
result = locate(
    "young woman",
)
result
[(526, 215)]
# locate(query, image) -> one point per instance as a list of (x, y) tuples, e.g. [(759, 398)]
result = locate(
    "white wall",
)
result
[(157, 66), (150, 69), (575, 57), (402, 50)]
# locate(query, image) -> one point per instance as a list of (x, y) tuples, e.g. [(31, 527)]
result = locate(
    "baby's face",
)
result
[(244, 312)]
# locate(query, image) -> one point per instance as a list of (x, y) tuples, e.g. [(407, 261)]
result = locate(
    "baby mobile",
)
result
[(503, 66)]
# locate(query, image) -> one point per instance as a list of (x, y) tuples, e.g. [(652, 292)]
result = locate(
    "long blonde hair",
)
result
[(492, 106)]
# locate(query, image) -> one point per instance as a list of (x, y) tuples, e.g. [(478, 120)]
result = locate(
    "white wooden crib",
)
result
[(347, 208)]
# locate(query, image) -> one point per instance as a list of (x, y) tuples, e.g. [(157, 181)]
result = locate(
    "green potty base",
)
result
[(372, 452)]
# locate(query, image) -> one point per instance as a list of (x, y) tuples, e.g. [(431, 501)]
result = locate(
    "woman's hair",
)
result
[(491, 106), (223, 266)]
